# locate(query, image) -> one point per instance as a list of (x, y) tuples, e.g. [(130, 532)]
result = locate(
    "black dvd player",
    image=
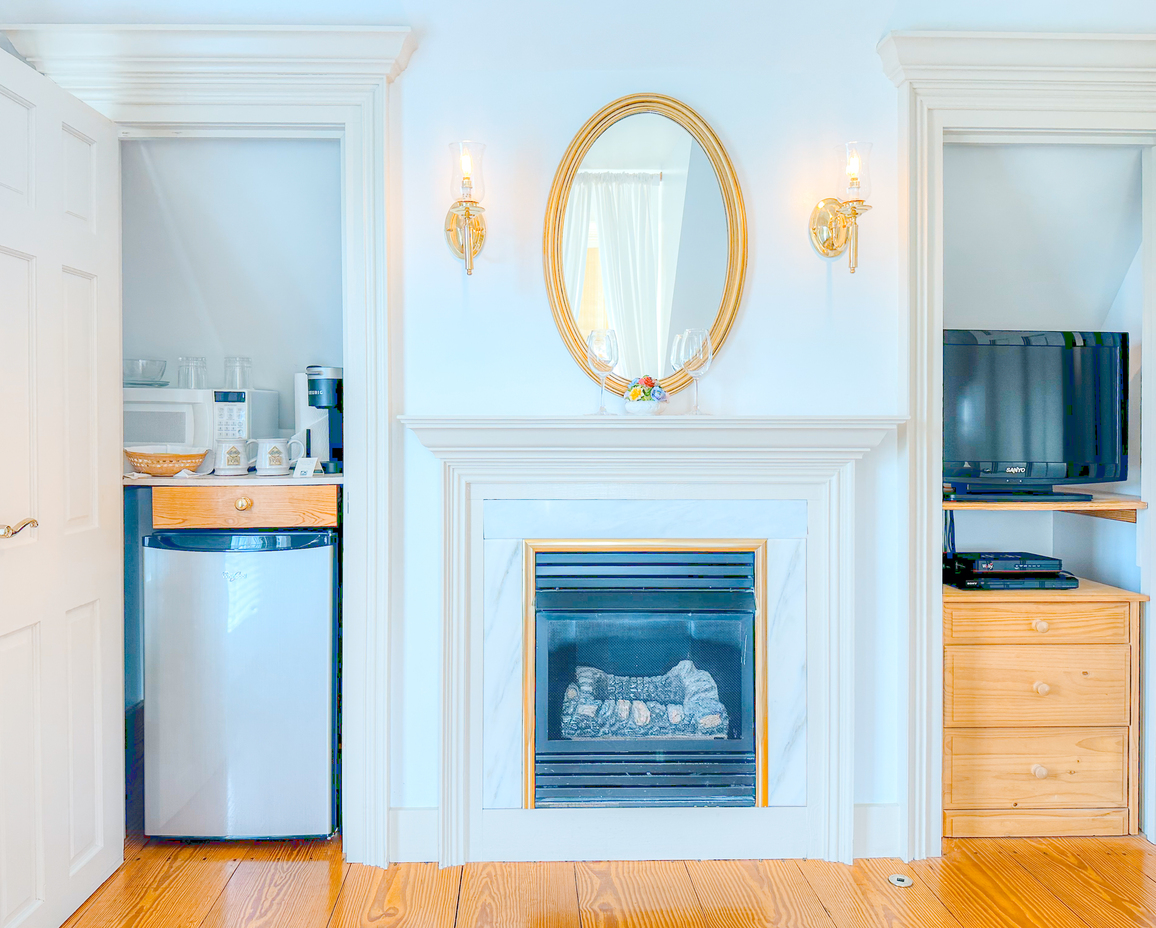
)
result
[(1055, 581), (1005, 562)]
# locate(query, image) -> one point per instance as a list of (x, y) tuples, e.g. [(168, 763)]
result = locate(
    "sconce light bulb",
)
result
[(853, 165)]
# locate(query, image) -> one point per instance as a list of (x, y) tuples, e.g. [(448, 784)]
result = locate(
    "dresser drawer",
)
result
[(1039, 623), (1028, 823), (1042, 768), (245, 507), (1062, 685)]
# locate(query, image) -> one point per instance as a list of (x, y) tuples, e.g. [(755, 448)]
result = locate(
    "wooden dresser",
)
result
[(1041, 711)]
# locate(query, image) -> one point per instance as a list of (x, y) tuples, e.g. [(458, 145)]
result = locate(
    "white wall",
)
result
[(522, 76), (233, 247)]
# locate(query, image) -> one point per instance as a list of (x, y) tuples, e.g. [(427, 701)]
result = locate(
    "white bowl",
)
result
[(643, 407)]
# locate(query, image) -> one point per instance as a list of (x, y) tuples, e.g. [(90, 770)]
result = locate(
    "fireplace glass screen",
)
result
[(644, 668)]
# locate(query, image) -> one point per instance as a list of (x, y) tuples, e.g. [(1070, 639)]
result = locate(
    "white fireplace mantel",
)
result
[(671, 457), (461, 438)]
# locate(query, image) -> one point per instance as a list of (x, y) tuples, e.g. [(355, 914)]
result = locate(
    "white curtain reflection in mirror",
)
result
[(644, 240)]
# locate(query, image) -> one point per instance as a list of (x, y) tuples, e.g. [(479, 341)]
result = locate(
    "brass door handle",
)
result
[(243, 503), (8, 531)]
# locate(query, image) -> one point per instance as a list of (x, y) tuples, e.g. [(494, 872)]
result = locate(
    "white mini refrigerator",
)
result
[(239, 705)]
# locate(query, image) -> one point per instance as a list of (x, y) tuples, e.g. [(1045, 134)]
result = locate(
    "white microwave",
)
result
[(160, 416)]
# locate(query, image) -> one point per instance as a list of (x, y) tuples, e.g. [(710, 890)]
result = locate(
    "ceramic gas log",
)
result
[(682, 703)]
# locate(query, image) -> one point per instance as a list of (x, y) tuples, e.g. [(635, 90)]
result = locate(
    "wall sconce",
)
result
[(465, 227), (834, 222)]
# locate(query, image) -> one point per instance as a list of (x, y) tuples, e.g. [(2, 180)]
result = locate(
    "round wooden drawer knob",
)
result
[(1040, 771), (1040, 626), (1042, 688), (243, 503)]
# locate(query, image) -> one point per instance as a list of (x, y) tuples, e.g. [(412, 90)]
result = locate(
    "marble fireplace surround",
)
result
[(529, 470)]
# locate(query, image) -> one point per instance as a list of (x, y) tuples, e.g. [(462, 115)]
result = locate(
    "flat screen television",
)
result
[(1025, 411)]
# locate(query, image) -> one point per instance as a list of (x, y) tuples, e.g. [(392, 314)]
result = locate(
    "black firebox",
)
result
[(645, 678)]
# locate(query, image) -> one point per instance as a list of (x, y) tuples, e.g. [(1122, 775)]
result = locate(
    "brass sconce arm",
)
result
[(466, 231), (835, 226)]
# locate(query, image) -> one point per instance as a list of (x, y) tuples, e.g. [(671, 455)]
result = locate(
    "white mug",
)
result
[(273, 456), (231, 457)]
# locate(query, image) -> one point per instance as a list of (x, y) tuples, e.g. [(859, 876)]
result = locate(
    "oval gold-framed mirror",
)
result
[(646, 234)]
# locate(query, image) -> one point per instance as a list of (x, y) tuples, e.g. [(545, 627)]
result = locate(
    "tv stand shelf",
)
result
[(1102, 505)]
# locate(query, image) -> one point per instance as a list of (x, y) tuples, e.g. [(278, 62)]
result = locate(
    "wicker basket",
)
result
[(163, 463)]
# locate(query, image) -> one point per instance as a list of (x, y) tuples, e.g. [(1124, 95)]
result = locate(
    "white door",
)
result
[(61, 585)]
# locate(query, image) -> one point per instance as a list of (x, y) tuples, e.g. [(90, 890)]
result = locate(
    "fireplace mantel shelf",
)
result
[(450, 436)]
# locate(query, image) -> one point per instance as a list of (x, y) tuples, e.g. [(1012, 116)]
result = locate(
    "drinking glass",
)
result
[(237, 372), (191, 373), (695, 354), (601, 356)]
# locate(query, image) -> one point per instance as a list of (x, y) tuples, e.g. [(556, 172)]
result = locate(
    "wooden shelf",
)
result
[(1102, 505)]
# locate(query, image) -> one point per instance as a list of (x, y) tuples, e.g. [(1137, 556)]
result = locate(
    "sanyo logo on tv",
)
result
[(1015, 470)]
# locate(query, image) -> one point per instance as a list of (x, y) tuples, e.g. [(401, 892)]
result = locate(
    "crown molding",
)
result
[(1019, 56), (125, 65)]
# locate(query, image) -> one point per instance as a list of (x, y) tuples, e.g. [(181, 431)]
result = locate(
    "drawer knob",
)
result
[(1042, 688), (243, 503), (1040, 771), (1040, 626)]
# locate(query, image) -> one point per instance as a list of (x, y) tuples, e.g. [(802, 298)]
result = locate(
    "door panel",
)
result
[(61, 608)]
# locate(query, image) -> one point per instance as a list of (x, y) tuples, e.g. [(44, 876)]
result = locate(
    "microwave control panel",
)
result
[(230, 415)]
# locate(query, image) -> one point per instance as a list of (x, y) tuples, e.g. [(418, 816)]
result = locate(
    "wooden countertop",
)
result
[(237, 481), (1088, 591)]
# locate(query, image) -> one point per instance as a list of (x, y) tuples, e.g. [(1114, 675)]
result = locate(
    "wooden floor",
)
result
[(1049, 883)]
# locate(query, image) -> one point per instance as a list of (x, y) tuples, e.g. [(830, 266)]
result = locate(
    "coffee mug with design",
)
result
[(231, 457), (273, 456)]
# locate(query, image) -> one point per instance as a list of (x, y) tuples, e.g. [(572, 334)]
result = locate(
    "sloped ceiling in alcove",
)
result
[(1037, 236)]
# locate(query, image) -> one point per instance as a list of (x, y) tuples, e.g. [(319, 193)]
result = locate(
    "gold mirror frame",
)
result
[(556, 215)]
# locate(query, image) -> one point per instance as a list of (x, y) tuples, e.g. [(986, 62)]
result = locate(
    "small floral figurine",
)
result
[(644, 396)]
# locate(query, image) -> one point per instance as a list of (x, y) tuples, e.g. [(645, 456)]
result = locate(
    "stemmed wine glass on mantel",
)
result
[(601, 356), (693, 353)]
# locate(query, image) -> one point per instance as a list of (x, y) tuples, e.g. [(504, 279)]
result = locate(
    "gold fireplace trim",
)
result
[(531, 546)]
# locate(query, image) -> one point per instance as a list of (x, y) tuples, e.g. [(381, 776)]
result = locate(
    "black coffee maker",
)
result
[(325, 393)]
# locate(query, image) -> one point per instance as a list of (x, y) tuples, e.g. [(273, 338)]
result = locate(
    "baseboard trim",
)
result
[(877, 829), (413, 833)]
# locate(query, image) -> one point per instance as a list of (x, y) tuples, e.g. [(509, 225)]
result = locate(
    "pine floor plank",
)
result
[(756, 894), (518, 895), (278, 894), (986, 889), (160, 893), (637, 894), (860, 896), (171, 849), (1131, 856), (404, 896), (1099, 898), (311, 849)]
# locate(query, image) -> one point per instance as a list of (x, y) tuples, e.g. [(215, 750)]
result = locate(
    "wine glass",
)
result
[(601, 356), (695, 354), (676, 353)]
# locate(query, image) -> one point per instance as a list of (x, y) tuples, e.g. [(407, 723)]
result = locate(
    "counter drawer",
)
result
[(245, 507), (1041, 768), (1061, 685), (1038, 623)]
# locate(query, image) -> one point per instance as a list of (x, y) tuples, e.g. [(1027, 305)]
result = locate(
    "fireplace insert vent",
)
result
[(644, 678), (692, 778)]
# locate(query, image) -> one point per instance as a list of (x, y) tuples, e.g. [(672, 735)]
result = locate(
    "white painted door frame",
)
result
[(993, 87), (293, 82)]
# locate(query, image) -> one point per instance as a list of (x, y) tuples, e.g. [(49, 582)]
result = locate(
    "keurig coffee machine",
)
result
[(324, 386)]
